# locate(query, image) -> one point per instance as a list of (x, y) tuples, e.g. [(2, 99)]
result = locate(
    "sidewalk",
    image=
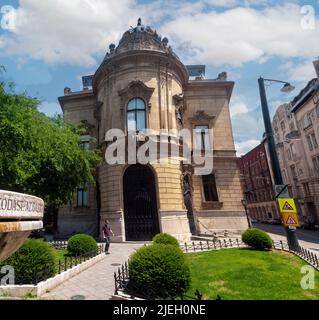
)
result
[(97, 282)]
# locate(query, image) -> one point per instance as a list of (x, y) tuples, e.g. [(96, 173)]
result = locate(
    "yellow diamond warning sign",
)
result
[(290, 220), (287, 205)]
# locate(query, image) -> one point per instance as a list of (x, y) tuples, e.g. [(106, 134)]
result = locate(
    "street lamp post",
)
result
[(244, 202), (291, 233)]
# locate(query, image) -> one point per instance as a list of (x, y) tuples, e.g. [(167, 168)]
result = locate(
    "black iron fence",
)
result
[(211, 245), (303, 253), (68, 262), (121, 277), (35, 274), (121, 280)]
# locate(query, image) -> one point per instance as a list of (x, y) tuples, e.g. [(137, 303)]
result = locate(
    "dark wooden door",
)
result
[(140, 204)]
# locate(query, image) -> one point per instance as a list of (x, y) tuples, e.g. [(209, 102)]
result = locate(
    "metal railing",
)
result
[(121, 280), (72, 261), (121, 277), (303, 253), (211, 245)]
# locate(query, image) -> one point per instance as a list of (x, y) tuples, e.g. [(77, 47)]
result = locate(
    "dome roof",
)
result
[(140, 38)]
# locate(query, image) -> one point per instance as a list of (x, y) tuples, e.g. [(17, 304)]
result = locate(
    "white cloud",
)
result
[(50, 108), (302, 72), (248, 126), (241, 35), (245, 146), (76, 32), (233, 3), (238, 106), (68, 31)]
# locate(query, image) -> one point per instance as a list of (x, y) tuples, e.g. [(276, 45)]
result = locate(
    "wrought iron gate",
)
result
[(140, 205)]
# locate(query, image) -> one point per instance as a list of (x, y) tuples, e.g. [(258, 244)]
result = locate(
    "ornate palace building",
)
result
[(142, 84)]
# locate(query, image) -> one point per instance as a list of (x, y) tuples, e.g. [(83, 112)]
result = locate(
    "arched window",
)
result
[(136, 115)]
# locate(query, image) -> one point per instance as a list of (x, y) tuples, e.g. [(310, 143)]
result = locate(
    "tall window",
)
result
[(136, 115), (306, 189), (210, 189), (307, 122), (293, 171), (202, 137), (315, 161), (314, 140), (82, 197), (309, 143)]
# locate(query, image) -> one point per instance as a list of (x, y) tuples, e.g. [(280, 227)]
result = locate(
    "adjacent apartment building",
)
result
[(142, 84), (296, 133), (257, 183)]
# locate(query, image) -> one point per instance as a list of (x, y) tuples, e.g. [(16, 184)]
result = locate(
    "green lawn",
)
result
[(244, 274)]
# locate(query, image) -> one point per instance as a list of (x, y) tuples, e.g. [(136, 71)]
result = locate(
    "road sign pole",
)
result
[(290, 233)]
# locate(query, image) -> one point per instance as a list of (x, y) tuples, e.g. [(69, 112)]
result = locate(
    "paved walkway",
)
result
[(96, 282)]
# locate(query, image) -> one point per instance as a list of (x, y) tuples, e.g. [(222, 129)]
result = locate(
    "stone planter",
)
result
[(19, 215)]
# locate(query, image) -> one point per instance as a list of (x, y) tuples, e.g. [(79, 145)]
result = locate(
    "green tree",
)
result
[(40, 155)]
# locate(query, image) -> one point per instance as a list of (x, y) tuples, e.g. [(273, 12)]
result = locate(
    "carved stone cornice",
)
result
[(201, 117)]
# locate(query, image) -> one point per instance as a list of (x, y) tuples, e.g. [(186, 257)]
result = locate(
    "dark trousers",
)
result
[(107, 244)]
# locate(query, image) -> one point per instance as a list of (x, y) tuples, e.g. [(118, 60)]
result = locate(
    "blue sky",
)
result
[(54, 42)]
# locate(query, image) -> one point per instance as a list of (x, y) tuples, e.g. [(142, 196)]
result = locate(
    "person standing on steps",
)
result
[(107, 232)]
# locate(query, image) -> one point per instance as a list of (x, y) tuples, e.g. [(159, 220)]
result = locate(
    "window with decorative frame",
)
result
[(307, 121), (135, 105), (136, 115)]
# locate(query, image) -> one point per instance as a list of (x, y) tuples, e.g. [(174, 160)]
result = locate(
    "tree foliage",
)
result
[(40, 155)]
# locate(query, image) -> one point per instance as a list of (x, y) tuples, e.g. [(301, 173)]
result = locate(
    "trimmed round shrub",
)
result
[(164, 238), (33, 262), (158, 271), (257, 239), (81, 244)]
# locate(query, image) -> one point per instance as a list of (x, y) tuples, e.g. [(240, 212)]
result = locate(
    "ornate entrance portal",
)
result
[(140, 203)]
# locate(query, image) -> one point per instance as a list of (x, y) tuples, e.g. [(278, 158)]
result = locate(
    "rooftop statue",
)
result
[(140, 37)]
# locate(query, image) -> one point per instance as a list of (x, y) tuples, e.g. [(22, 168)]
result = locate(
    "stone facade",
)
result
[(144, 67), (296, 133), (257, 183)]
